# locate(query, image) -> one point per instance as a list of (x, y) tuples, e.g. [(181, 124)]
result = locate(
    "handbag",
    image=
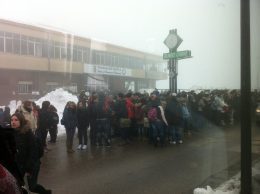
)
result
[(124, 123)]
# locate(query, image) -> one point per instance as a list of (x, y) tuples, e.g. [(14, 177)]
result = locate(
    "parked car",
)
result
[(257, 113)]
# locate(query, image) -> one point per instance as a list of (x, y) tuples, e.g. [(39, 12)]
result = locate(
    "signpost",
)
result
[(173, 41)]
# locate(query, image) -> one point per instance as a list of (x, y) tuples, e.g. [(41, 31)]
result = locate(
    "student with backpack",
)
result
[(157, 120)]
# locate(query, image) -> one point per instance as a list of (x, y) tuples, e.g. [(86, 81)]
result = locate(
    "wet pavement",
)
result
[(207, 157)]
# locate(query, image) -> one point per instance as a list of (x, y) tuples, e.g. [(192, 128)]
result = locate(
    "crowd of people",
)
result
[(159, 118)]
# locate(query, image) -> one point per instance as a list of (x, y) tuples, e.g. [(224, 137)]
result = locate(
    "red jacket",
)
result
[(130, 108)]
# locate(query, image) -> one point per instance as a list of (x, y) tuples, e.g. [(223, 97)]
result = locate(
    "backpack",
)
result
[(152, 114)]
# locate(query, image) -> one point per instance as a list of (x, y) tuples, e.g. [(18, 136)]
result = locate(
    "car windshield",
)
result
[(134, 96)]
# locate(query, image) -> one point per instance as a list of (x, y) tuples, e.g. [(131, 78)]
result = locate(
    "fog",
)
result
[(209, 28)]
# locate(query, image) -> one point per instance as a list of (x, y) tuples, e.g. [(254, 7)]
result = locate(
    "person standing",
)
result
[(29, 152), (70, 122), (54, 120), (122, 115), (44, 123), (103, 113), (173, 116), (92, 119), (157, 120), (83, 124)]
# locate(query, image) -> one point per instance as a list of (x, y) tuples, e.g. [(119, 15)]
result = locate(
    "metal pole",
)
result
[(246, 160), (173, 74), (170, 76)]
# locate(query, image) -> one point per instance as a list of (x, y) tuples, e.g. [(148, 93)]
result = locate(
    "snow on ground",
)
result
[(232, 186)]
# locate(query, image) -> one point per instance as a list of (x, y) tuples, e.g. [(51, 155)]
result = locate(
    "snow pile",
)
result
[(59, 99), (13, 105), (232, 186)]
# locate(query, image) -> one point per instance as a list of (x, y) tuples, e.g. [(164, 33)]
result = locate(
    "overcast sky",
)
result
[(209, 28)]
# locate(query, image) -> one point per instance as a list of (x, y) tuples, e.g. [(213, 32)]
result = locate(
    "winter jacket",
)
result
[(27, 151), (69, 118), (44, 119), (173, 112), (83, 117), (53, 119), (121, 109)]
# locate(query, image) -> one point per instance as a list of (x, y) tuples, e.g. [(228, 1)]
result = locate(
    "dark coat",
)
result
[(44, 119), (54, 119), (173, 113), (121, 109), (29, 151), (8, 150), (83, 117), (99, 111), (69, 118)]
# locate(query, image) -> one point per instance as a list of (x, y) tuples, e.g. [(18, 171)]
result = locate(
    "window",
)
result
[(102, 58), (98, 58), (17, 44), (57, 50), (79, 54), (38, 47), (86, 55), (69, 52), (31, 43), (8, 42), (24, 87), (63, 53), (51, 49), (45, 49), (94, 58), (24, 45), (75, 52), (2, 45)]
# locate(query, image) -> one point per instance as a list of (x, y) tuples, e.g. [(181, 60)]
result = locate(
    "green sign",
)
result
[(177, 55)]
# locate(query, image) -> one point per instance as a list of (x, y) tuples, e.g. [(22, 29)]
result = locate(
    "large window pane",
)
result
[(79, 54), (30, 48), (9, 45), (2, 46), (75, 52), (86, 55), (69, 54), (24, 47)]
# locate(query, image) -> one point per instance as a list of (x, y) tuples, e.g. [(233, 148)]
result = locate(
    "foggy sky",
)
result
[(209, 28)]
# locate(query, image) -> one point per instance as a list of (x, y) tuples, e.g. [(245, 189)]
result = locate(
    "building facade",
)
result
[(36, 60)]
